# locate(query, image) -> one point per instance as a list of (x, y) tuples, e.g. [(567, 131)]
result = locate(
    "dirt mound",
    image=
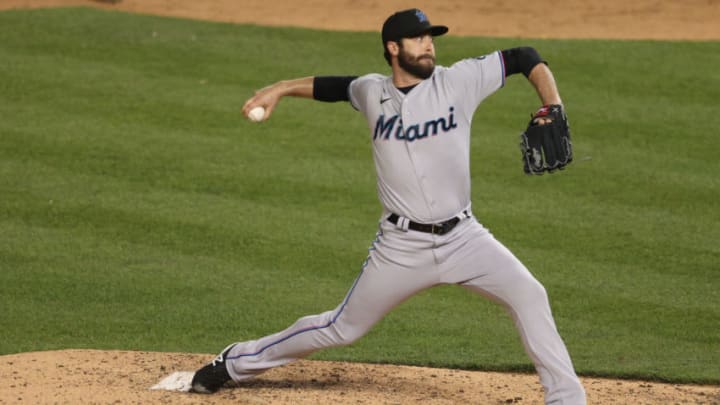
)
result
[(95, 376)]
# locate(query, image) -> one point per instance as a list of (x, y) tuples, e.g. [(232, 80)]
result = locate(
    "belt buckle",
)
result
[(439, 229)]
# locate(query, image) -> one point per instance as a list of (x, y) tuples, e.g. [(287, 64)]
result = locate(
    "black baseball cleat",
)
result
[(213, 375)]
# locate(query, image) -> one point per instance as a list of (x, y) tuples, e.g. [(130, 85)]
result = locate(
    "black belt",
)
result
[(437, 229)]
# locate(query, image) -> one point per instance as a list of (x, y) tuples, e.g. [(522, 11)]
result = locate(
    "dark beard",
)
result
[(411, 65)]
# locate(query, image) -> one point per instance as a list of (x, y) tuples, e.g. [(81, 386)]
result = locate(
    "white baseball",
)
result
[(257, 114)]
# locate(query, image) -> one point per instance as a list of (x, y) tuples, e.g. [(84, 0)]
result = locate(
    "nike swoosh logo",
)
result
[(382, 100)]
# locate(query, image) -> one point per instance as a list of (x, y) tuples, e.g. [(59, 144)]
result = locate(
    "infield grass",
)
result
[(139, 210)]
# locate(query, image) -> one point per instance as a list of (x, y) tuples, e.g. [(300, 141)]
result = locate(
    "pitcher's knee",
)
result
[(530, 291)]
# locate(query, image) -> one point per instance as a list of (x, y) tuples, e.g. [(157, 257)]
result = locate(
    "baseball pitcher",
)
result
[(419, 119)]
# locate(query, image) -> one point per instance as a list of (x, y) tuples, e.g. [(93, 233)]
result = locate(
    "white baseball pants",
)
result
[(401, 264)]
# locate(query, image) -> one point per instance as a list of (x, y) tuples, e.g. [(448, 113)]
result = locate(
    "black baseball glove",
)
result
[(546, 147)]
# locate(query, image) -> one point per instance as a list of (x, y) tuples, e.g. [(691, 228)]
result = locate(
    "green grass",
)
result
[(139, 210)]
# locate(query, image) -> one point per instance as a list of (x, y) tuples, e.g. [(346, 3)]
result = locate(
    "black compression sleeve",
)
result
[(521, 60), (332, 88)]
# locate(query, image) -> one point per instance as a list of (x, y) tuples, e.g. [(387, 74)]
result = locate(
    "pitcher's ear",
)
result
[(393, 48)]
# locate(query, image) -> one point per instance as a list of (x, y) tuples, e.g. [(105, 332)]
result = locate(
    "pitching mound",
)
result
[(94, 376)]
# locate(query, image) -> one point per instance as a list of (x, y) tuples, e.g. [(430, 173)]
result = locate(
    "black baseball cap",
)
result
[(408, 24)]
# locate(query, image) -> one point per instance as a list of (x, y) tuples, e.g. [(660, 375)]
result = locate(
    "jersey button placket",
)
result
[(424, 188), (421, 177)]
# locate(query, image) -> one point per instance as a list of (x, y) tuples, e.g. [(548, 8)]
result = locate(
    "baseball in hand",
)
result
[(257, 114)]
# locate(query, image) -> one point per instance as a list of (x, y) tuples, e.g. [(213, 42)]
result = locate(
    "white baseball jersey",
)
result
[(421, 140)]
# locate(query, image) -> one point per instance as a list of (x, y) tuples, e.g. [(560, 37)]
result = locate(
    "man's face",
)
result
[(417, 56)]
